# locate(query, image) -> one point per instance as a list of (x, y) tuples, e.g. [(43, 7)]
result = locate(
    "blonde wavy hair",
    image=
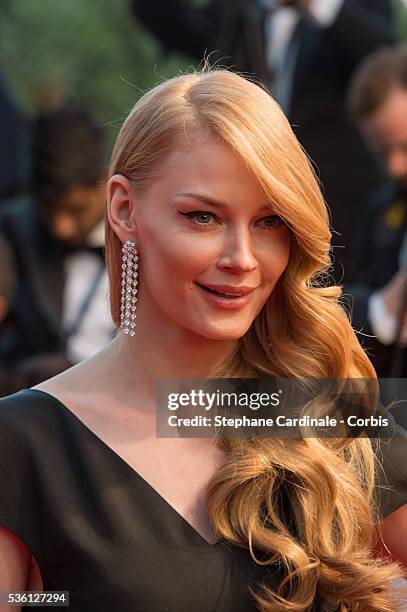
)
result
[(329, 488)]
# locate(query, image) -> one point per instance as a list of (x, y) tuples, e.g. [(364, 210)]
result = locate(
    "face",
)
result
[(77, 213), (211, 248), (386, 131)]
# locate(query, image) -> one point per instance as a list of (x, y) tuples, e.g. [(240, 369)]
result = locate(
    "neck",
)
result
[(135, 364)]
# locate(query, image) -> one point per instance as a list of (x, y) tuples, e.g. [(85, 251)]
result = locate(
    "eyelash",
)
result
[(193, 215)]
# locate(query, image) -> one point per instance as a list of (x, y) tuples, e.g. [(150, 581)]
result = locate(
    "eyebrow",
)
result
[(208, 200)]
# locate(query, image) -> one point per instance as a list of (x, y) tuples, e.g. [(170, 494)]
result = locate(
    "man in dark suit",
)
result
[(378, 100), (59, 314), (305, 51)]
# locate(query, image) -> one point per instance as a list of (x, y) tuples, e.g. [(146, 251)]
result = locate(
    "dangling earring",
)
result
[(129, 288)]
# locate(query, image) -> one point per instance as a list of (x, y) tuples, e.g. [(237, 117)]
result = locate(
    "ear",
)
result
[(120, 205)]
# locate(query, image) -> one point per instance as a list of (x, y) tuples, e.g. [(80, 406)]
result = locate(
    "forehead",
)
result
[(208, 163)]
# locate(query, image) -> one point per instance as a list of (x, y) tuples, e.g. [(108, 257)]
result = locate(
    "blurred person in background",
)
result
[(13, 146), (9, 380), (305, 51), (7, 278), (59, 312), (378, 101)]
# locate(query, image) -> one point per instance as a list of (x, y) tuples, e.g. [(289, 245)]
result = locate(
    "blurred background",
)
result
[(96, 53), (69, 73)]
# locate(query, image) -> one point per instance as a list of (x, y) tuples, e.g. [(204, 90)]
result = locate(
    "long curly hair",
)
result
[(303, 330)]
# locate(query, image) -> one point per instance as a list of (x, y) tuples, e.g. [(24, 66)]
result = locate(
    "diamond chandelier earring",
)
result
[(129, 288)]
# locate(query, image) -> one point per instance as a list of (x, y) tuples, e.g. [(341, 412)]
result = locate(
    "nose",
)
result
[(237, 253), (397, 163)]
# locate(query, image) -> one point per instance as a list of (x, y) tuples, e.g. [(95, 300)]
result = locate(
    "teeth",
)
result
[(227, 295)]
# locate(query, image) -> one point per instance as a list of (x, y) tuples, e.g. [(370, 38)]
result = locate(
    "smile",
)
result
[(225, 291), (229, 297), (224, 295)]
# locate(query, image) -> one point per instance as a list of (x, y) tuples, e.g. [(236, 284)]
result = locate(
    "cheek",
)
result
[(276, 264), (176, 252), (278, 257), (170, 260)]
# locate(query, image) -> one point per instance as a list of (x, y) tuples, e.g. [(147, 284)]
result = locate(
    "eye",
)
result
[(201, 217), (272, 222)]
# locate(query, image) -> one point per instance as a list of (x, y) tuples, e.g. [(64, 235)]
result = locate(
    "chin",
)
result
[(224, 335)]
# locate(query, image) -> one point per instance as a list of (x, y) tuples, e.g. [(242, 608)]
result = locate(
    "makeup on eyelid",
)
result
[(195, 214)]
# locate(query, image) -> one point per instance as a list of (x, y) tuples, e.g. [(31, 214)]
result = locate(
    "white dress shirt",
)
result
[(383, 322), (280, 27), (96, 329)]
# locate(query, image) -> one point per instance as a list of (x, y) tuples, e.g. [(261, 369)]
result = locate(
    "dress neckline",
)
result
[(121, 461)]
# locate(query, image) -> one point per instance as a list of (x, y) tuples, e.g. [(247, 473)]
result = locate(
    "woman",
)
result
[(216, 230)]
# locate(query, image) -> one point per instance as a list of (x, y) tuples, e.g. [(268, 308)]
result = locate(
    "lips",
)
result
[(227, 291)]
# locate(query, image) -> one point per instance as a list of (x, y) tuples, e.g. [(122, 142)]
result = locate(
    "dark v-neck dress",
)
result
[(98, 530)]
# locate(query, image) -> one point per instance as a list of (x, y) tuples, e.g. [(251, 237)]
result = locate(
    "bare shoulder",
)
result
[(88, 390), (76, 383)]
